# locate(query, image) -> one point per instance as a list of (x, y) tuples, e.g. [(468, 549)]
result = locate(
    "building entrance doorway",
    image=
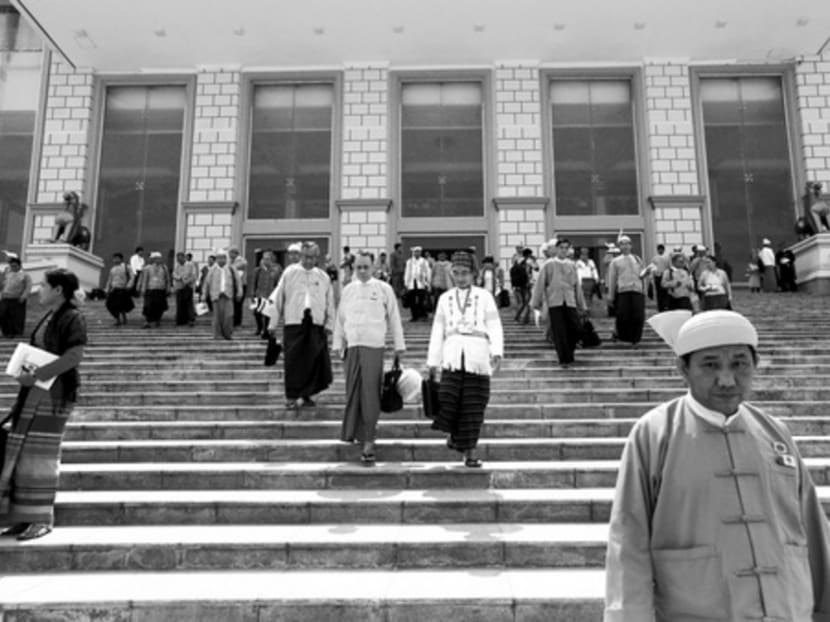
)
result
[(448, 244)]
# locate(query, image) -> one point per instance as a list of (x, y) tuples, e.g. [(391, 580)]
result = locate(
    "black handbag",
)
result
[(272, 352), (588, 336), (4, 437), (504, 299), (429, 395), (390, 398)]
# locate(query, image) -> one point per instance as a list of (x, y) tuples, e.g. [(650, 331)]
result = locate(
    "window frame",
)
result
[(786, 73), (308, 227), (101, 83), (640, 221), (33, 190), (409, 226)]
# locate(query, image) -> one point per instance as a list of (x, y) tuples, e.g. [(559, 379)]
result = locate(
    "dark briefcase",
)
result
[(429, 395)]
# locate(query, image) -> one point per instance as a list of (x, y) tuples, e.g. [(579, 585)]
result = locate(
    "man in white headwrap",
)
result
[(715, 516), (625, 293), (417, 278), (304, 299)]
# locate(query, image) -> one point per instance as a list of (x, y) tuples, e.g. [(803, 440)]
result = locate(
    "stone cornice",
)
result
[(520, 202), (372, 205), (676, 200)]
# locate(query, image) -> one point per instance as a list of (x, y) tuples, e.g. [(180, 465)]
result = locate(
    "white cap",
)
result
[(623, 238), (155, 255), (686, 333), (416, 248), (294, 248), (766, 242), (220, 252), (614, 249), (409, 384)]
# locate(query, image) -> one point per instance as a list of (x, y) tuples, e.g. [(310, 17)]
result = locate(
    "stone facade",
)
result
[(518, 131), (813, 101), (64, 162), (214, 157), (363, 226), (207, 227), (364, 219)]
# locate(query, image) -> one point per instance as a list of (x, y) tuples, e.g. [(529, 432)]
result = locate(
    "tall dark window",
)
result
[(141, 159), (442, 171), (290, 162), (748, 156), (594, 163), (20, 74)]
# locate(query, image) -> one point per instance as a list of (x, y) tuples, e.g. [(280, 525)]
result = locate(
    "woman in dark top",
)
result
[(29, 475)]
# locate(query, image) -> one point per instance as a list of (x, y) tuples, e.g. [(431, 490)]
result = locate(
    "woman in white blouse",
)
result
[(467, 345)]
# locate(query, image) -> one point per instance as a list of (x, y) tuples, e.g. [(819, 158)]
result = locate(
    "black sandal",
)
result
[(473, 463), (14, 530), (451, 444), (367, 459), (35, 530)]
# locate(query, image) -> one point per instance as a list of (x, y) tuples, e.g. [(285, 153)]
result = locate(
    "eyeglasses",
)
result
[(362, 267)]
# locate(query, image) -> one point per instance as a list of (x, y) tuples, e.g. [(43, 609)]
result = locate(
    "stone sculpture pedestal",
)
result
[(812, 264), (40, 258)]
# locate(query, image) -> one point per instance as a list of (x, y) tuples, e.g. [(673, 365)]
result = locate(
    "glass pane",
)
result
[(290, 165), (720, 100), (595, 164), (139, 177), (747, 149), (20, 74), (442, 171)]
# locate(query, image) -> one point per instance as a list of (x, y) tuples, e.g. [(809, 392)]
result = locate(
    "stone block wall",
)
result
[(520, 223), (678, 226), (518, 131), (813, 102), (207, 230), (66, 138), (519, 166), (43, 228), (365, 132), (215, 136), (671, 138), (362, 229)]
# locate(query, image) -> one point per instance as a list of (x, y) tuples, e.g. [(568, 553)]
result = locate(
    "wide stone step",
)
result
[(389, 428), (394, 450), (344, 475), (331, 399), (280, 547), (275, 412), (460, 595), (377, 505), (92, 373)]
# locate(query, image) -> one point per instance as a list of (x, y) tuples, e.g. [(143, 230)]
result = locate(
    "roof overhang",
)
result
[(163, 35)]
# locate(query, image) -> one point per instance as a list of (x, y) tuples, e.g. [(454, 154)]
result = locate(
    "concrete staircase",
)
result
[(188, 493)]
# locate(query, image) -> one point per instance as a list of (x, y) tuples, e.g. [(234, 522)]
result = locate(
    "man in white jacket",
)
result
[(368, 310), (715, 516), (417, 278)]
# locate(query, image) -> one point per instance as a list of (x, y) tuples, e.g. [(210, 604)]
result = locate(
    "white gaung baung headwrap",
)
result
[(685, 333)]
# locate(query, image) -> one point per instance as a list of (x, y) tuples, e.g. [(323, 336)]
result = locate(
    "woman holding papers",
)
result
[(29, 474)]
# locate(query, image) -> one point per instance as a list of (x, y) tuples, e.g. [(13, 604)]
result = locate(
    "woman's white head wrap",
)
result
[(686, 333)]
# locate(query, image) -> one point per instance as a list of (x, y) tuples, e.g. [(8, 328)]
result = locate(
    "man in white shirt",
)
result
[(767, 258), (222, 288), (715, 516), (136, 266), (368, 309), (588, 275), (305, 299), (417, 278)]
